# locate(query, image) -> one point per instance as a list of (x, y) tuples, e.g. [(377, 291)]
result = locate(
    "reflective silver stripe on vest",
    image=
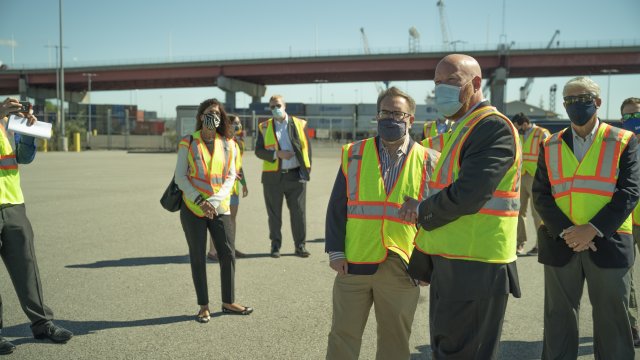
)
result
[(609, 143), (554, 155), (374, 211), (594, 185), (560, 188), (447, 161), (502, 204), (353, 164), (8, 162)]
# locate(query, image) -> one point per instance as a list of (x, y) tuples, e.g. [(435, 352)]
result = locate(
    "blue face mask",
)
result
[(391, 130), (632, 125), (277, 113), (448, 99), (581, 112)]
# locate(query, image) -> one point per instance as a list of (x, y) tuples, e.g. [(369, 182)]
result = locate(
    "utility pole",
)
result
[(89, 76), (65, 142)]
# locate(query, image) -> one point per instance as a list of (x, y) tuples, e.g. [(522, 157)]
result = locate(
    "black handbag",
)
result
[(171, 200)]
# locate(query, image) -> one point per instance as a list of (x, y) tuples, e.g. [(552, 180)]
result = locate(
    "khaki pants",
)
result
[(395, 298), (526, 183)]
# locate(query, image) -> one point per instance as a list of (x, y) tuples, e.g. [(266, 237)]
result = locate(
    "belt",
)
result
[(284, 171)]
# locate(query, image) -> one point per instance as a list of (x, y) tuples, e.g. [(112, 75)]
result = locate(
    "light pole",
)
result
[(89, 76), (609, 72), (57, 84), (65, 143)]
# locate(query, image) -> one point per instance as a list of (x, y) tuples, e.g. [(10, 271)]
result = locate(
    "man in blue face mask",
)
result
[(585, 190), (368, 244), (630, 110), (466, 245)]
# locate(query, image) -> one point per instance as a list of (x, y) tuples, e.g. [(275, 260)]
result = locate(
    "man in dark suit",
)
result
[(465, 249), (585, 189), (285, 148)]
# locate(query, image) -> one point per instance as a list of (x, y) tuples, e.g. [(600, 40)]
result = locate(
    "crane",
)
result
[(526, 88), (367, 51), (443, 25)]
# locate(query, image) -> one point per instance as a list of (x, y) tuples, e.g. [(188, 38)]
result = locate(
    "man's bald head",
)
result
[(464, 72), (463, 63)]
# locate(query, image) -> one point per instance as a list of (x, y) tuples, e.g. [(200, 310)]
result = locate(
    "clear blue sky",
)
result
[(118, 31)]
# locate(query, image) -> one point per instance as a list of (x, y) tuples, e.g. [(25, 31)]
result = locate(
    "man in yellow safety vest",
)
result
[(284, 147), (16, 247), (531, 136), (466, 244), (369, 246), (630, 110), (585, 189)]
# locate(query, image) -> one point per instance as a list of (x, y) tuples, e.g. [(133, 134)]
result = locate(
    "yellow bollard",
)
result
[(95, 132), (45, 145), (76, 140)]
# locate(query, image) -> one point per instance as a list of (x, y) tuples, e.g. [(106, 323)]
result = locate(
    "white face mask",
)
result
[(278, 113)]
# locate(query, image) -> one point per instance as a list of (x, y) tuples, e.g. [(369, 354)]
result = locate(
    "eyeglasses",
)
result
[(279, 106), (583, 98), (395, 115), (635, 115)]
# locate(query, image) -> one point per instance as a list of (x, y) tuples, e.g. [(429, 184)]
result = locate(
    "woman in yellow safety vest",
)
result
[(206, 174)]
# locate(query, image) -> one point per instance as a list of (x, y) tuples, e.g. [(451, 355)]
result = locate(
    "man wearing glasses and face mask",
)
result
[(284, 146), (369, 245), (630, 110), (585, 189)]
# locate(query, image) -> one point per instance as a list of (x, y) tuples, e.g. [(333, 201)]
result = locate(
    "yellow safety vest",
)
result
[(271, 142), (581, 189), (531, 148), (490, 234), (430, 129), (436, 142), (10, 191), (373, 225), (236, 185), (207, 171)]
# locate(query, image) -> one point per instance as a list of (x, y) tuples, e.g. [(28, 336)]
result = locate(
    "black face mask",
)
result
[(391, 130), (581, 112)]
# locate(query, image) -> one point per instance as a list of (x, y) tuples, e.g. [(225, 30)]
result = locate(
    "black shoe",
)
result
[(247, 310), (6, 347), (635, 336), (54, 333), (275, 252), (533, 251), (302, 251)]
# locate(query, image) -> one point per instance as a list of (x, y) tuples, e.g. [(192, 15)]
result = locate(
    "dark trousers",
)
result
[(609, 295), (294, 191), (195, 229), (465, 329), (18, 254)]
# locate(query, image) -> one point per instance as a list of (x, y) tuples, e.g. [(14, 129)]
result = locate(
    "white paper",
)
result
[(40, 129)]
